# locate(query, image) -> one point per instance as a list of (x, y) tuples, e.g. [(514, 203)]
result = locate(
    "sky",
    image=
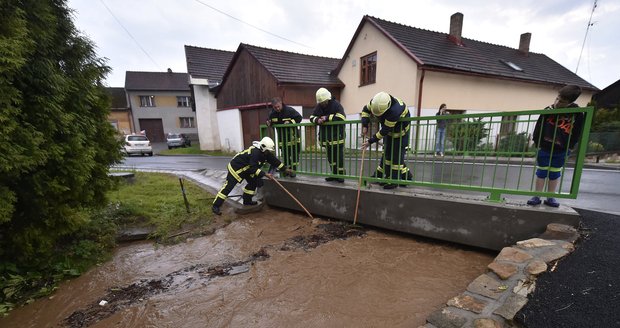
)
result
[(150, 35)]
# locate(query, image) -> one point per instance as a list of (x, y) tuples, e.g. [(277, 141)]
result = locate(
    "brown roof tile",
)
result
[(207, 63), (156, 81), (119, 99), (435, 50), (290, 67)]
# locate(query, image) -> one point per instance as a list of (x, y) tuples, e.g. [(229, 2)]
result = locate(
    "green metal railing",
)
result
[(491, 153)]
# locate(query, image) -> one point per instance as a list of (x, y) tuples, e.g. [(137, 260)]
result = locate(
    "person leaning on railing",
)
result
[(328, 109), (389, 110), (288, 137), (555, 135)]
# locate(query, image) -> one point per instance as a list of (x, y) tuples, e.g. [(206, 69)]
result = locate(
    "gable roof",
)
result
[(436, 51), (207, 63), (608, 97), (118, 97), (156, 81), (293, 68)]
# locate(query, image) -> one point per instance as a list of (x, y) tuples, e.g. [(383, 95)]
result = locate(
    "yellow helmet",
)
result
[(267, 144), (322, 94), (380, 103)]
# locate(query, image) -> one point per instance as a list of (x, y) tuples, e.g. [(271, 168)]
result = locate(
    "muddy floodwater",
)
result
[(271, 269)]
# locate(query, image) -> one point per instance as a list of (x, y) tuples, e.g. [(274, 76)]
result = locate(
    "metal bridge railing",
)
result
[(488, 152)]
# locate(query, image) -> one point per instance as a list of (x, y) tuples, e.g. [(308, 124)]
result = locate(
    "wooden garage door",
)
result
[(251, 119), (154, 129)]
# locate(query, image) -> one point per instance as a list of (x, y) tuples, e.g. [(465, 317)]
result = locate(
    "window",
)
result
[(368, 69), (187, 122), (147, 101), (512, 65), (183, 101)]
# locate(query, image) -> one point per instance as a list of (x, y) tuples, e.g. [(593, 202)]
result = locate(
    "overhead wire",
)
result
[(253, 26), (586, 36), (129, 33)]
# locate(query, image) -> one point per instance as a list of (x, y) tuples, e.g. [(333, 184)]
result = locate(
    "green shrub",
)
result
[(466, 136), (514, 143)]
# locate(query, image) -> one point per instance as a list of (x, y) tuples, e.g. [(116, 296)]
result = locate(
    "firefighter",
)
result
[(395, 134), (328, 109), (289, 139), (246, 165)]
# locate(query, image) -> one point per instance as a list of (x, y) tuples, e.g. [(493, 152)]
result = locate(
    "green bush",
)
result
[(466, 136), (514, 143), (595, 147)]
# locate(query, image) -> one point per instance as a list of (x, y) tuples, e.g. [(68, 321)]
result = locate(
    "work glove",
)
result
[(290, 173)]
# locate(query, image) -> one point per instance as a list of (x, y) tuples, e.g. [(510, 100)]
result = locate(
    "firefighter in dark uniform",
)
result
[(289, 139), (247, 165), (332, 137), (395, 134)]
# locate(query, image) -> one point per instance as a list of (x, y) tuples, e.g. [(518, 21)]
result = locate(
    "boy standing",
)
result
[(555, 135)]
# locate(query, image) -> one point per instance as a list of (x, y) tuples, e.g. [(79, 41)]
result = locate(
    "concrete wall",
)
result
[(206, 117), (469, 222), (229, 124)]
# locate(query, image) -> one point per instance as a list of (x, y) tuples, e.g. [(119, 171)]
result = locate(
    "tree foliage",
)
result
[(467, 135), (56, 144)]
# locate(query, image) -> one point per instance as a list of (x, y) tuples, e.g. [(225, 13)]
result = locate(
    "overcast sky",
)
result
[(149, 35)]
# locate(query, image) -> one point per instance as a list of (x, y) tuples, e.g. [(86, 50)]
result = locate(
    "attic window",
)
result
[(512, 65)]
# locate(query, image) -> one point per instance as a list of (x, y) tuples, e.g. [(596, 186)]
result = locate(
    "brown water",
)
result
[(374, 280)]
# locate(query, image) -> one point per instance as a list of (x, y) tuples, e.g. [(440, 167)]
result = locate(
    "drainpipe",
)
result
[(419, 111)]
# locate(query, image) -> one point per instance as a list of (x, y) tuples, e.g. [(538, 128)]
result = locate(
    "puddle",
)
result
[(268, 269)]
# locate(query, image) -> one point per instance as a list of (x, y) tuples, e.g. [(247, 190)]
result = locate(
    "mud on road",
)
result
[(269, 269)]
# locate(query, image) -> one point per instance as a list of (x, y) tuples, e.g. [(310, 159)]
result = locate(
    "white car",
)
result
[(137, 144)]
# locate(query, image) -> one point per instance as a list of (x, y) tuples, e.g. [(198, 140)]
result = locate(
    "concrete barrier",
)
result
[(454, 218)]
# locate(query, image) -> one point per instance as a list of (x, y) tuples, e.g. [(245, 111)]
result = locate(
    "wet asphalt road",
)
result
[(599, 189)]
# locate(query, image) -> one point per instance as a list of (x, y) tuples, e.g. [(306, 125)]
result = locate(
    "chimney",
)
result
[(524, 43), (456, 27), (169, 70)]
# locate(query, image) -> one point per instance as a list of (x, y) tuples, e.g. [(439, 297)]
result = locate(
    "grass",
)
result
[(195, 150), (156, 200)]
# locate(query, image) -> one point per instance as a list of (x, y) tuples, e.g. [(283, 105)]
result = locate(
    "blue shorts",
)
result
[(549, 165)]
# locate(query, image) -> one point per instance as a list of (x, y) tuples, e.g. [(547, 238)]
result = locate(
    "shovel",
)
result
[(359, 186), (293, 197)]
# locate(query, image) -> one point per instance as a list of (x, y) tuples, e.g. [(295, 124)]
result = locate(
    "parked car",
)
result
[(177, 140), (137, 144)]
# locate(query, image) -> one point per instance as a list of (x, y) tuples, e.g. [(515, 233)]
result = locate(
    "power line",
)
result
[(131, 36), (246, 23), (586, 36)]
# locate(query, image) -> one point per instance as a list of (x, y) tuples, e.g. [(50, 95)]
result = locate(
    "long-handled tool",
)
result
[(293, 197), (359, 185)]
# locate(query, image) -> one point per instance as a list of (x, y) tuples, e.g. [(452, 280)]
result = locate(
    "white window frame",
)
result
[(183, 101), (187, 122), (147, 101)]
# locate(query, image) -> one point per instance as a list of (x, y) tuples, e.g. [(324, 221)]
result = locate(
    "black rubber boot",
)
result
[(216, 210)]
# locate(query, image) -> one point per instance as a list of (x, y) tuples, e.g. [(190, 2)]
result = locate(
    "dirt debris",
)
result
[(119, 298)]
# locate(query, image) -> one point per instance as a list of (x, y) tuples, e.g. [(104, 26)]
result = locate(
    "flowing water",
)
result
[(271, 269)]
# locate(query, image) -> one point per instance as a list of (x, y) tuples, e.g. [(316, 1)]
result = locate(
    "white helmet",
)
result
[(267, 144), (322, 95), (380, 103)]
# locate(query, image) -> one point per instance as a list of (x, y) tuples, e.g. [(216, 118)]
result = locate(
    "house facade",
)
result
[(120, 114), (161, 103), (426, 68)]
